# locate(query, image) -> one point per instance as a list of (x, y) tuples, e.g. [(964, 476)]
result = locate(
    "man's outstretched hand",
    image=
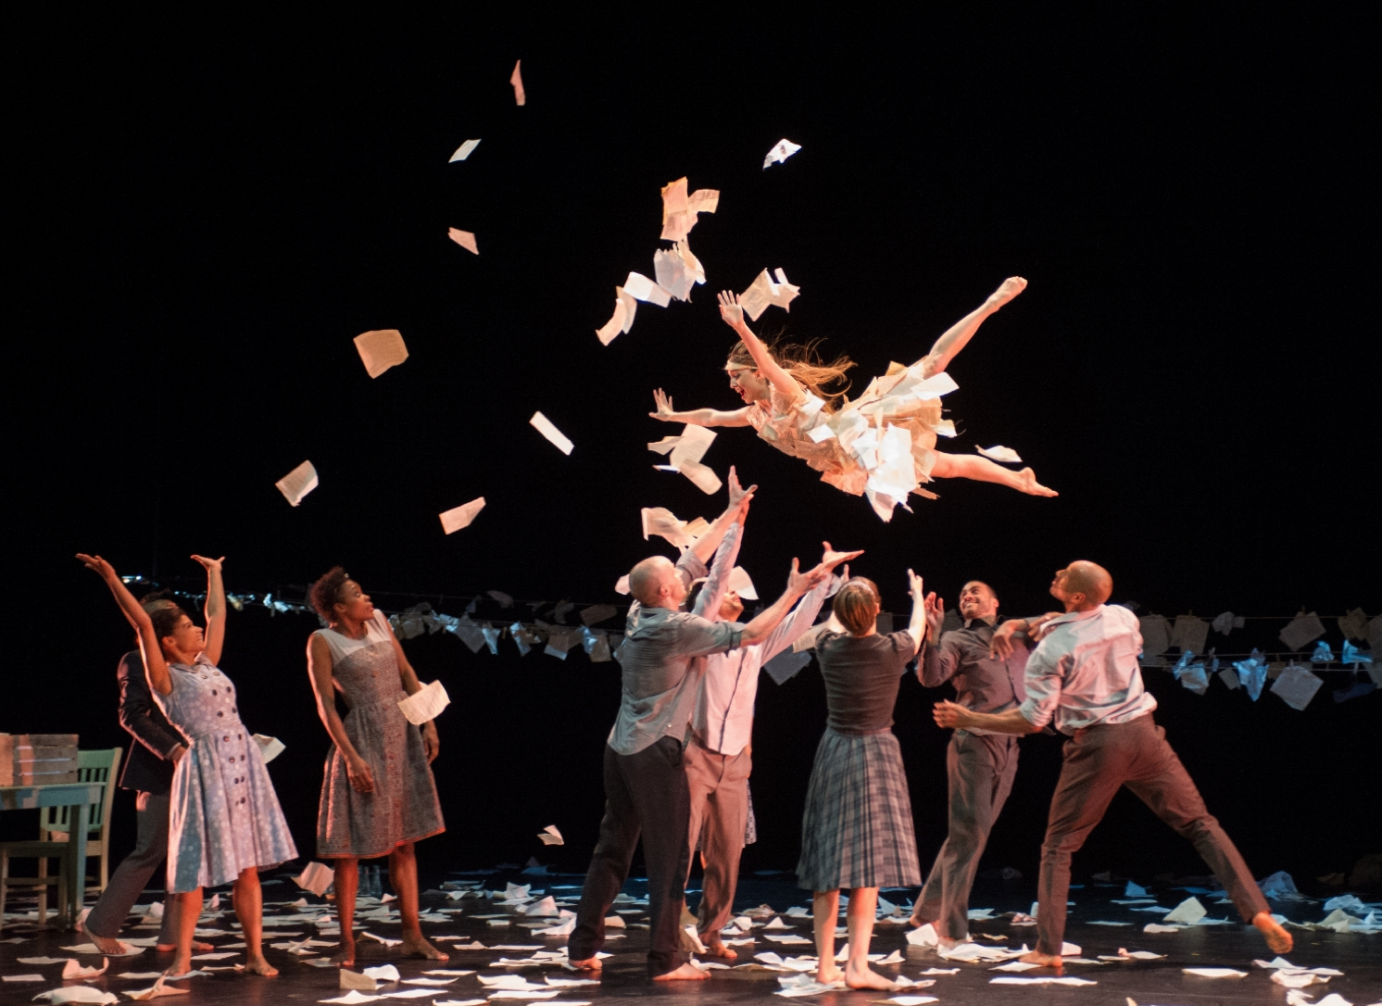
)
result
[(950, 715)]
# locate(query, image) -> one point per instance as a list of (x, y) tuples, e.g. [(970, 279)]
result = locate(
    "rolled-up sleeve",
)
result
[(1043, 681), (694, 636)]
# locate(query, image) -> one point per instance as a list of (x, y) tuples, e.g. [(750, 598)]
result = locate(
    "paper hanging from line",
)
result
[(315, 877), (464, 151), (544, 426), (781, 151), (516, 79), (465, 239), (425, 704), (381, 350), (551, 836), (763, 292), (1000, 453), (269, 747), (298, 483), (458, 517), (625, 308)]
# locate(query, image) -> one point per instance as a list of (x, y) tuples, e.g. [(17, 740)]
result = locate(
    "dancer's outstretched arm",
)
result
[(736, 511), (733, 316), (154, 664), (701, 417), (215, 608), (959, 334), (916, 628)]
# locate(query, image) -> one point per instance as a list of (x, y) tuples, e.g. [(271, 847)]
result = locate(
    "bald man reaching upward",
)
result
[(646, 790), (1084, 674)]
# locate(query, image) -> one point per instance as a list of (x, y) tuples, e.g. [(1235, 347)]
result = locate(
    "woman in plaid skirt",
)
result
[(857, 832)]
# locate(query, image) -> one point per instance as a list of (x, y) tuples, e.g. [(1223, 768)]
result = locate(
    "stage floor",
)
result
[(1161, 982)]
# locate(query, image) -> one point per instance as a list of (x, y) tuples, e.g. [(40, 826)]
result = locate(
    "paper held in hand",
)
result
[(424, 704)]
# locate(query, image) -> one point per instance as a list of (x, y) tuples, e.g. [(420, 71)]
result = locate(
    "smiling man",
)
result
[(1084, 677), (979, 764)]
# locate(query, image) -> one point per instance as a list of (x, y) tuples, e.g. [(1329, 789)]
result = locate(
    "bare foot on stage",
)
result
[(830, 975), (256, 965), (180, 966), (110, 945), (168, 948), (345, 957), (1009, 289), (947, 944), (867, 978), (1279, 941), (1045, 960), (1031, 486), (688, 972), (589, 964), (717, 948), (416, 946)]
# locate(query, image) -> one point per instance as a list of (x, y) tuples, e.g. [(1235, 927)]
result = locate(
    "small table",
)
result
[(79, 796)]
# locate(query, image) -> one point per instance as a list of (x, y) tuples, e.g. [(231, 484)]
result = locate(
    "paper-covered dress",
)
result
[(880, 446), (404, 805), (224, 815)]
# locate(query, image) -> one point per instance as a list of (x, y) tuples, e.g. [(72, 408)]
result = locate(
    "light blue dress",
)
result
[(224, 814)]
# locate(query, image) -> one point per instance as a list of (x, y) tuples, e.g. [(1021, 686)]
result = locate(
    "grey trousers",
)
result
[(1099, 760), (719, 787), (130, 878), (980, 771)]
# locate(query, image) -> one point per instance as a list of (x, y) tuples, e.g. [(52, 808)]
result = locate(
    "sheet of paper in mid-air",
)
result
[(741, 583), (298, 482), (782, 150), (464, 151), (269, 747), (551, 836), (1005, 454), (544, 426), (640, 286), (763, 292), (458, 517), (625, 308), (425, 704), (381, 350), (315, 877), (465, 239)]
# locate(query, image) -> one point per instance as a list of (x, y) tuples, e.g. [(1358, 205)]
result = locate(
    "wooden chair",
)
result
[(53, 834)]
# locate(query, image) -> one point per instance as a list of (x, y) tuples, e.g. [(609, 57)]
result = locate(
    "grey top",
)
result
[(982, 683), (862, 675), (660, 670)]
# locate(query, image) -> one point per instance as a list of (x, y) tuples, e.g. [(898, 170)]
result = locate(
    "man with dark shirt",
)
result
[(980, 765), (149, 772)]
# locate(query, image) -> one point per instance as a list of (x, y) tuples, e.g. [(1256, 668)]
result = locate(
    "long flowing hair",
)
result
[(805, 365)]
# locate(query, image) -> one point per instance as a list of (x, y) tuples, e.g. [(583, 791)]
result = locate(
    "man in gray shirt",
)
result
[(980, 765), (646, 791)]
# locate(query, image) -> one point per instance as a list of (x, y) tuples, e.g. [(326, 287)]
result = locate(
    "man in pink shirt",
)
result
[(1084, 675)]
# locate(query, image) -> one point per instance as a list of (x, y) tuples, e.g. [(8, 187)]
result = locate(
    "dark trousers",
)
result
[(645, 794), (1100, 759), (130, 878), (980, 770)]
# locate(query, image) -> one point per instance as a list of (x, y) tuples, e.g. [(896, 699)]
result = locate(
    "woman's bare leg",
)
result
[(825, 908), (954, 340), (403, 877), (863, 906), (347, 883), (189, 910), (981, 469), (248, 897)]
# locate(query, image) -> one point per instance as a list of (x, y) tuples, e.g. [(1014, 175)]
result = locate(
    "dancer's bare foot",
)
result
[(829, 974), (1006, 291), (1045, 960), (414, 945), (257, 965), (867, 978), (1279, 941), (589, 964), (168, 948), (717, 948), (947, 944), (1031, 486), (108, 944), (345, 956), (688, 972), (182, 964)]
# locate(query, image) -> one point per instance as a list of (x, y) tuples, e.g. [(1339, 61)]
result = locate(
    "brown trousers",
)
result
[(719, 787), (1099, 760)]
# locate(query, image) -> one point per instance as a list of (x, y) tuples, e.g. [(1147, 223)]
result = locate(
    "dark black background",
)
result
[(206, 213)]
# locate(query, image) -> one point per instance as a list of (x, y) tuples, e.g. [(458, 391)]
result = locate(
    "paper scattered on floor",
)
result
[(354, 980), (1187, 913), (1042, 981), (551, 836), (1216, 972), (458, 517), (77, 994), (464, 151), (298, 482), (381, 350), (465, 239), (126, 950), (1157, 927), (315, 877), (1005, 454), (516, 79), (909, 1000), (220, 956), (923, 936), (157, 991), (544, 426), (782, 150), (22, 978)]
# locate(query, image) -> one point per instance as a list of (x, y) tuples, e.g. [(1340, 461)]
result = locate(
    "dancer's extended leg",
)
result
[(248, 898), (403, 877), (981, 469), (347, 882), (825, 911), (963, 330)]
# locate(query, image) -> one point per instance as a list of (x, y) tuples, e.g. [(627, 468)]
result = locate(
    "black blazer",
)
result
[(148, 767)]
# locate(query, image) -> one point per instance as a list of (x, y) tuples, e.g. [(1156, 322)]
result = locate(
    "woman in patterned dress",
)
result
[(378, 794), (883, 444), (225, 823), (857, 830)]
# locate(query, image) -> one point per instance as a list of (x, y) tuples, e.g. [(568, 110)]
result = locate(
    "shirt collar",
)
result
[(1076, 616)]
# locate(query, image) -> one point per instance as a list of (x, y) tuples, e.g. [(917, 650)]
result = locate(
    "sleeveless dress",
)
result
[(224, 814), (880, 446), (404, 805)]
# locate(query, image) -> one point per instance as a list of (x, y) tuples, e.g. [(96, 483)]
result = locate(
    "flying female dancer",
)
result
[(883, 444), (225, 823)]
